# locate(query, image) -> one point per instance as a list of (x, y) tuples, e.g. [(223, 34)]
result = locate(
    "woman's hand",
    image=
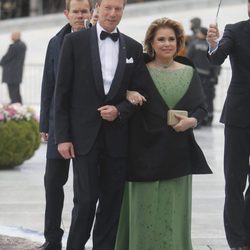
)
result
[(184, 123), (135, 97)]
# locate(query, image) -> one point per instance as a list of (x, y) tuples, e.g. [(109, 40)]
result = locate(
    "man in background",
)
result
[(57, 168), (208, 72), (195, 24), (12, 63)]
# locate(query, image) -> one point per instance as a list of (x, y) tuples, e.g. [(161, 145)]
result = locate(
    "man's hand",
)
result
[(66, 149), (108, 112), (44, 136), (213, 35)]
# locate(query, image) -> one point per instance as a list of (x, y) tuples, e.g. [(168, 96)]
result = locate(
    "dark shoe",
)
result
[(50, 246)]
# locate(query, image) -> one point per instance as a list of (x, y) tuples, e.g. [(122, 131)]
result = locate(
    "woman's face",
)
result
[(165, 43)]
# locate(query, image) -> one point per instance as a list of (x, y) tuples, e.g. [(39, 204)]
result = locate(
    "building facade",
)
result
[(22, 8)]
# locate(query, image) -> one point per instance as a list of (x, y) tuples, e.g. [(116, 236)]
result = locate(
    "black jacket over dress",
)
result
[(156, 150), (48, 88)]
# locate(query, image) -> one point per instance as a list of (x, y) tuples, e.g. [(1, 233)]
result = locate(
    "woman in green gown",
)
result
[(156, 209)]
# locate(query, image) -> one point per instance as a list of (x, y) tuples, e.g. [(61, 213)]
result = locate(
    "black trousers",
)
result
[(56, 175), (14, 93), (97, 177), (237, 190), (209, 90)]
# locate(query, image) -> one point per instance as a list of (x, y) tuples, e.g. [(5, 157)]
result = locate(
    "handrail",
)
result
[(32, 78), (30, 87)]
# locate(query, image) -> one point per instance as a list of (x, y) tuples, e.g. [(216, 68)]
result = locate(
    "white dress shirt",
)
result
[(109, 52)]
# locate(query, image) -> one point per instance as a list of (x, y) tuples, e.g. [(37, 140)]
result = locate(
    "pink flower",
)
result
[(16, 112)]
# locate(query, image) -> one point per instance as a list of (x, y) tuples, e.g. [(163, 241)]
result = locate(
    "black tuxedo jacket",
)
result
[(79, 92), (48, 87), (235, 43)]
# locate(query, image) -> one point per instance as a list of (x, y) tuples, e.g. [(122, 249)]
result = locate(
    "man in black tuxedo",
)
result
[(236, 117), (57, 168), (96, 68), (12, 63)]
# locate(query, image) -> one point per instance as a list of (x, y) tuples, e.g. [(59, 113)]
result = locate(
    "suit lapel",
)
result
[(96, 63), (120, 68)]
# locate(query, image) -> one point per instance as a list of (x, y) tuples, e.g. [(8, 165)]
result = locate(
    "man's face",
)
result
[(78, 11), (110, 13)]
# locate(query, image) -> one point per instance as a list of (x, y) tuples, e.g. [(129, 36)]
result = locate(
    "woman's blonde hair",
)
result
[(163, 23)]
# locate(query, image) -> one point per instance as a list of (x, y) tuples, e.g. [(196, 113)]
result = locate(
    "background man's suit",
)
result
[(100, 146), (236, 117), (12, 63), (57, 168)]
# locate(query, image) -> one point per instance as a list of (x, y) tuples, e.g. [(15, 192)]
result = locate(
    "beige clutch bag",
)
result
[(171, 119)]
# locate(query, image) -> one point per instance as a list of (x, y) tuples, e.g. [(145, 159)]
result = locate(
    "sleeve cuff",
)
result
[(211, 50)]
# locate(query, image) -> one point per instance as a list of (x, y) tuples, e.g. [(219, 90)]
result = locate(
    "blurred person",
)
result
[(156, 210), (96, 68), (95, 15), (57, 168), (236, 117), (195, 24), (12, 63), (208, 72)]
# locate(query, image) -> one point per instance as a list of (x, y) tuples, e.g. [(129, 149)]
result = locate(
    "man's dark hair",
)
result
[(67, 4)]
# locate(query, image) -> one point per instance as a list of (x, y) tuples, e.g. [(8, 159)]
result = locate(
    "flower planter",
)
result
[(19, 136)]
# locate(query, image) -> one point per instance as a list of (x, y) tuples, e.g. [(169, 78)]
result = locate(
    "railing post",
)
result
[(36, 7)]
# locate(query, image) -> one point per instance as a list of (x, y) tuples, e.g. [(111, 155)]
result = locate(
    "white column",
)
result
[(36, 7)]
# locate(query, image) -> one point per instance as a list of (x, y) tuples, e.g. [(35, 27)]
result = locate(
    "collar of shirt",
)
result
[(109, 51)]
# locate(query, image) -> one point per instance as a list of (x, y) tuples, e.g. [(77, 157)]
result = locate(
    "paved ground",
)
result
[(22, 200), (14, 243), (21, 189)]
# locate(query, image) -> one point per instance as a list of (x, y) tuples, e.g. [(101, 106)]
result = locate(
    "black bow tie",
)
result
[(113, 36)]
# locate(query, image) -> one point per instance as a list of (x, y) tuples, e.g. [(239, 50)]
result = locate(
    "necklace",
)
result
[(164, 65)]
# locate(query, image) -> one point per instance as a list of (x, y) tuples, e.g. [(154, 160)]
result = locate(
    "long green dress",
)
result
[(157, 215)]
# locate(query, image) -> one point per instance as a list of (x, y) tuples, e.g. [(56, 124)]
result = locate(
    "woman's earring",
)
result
[(153, 53)]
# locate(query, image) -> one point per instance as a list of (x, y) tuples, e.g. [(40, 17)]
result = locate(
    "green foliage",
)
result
[(18, 141)]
